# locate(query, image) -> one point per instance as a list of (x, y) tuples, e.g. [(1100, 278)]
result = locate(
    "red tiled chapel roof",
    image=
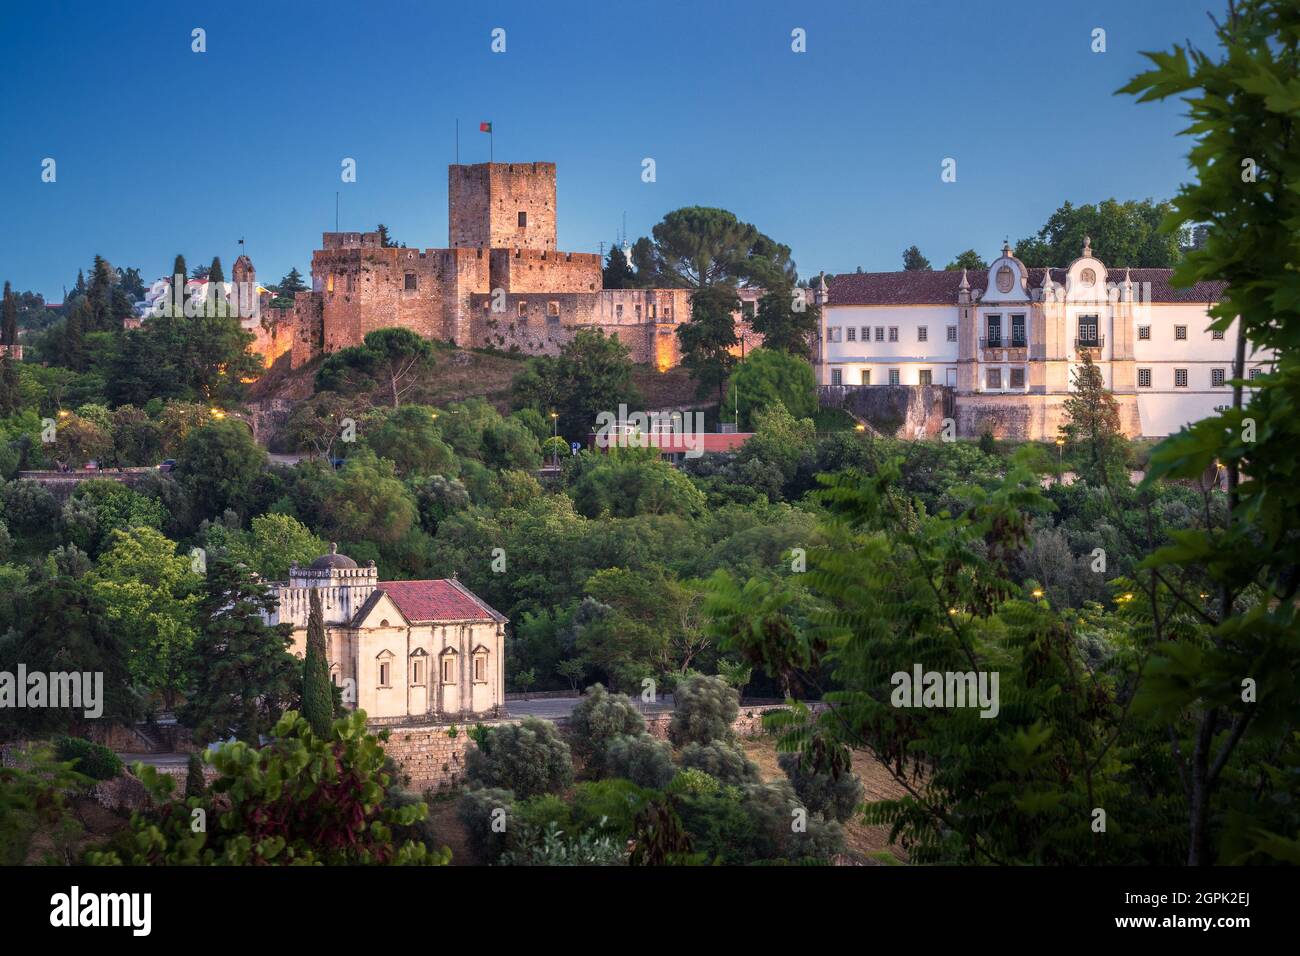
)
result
[(441, 599)]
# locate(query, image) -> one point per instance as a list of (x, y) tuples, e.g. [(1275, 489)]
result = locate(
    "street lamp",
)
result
[(1060, 445), (555, 424)]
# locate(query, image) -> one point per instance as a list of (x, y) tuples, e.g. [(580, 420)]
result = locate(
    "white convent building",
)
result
[(413, 650), (1006, 342)]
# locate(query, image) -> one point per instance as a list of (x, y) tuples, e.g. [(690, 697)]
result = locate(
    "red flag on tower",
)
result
[(485, 127)]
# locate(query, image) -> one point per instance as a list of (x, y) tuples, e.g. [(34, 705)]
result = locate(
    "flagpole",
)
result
[(492, 132), (457, 142)]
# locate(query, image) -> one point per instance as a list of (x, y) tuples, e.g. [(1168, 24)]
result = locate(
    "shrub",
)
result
[(300, 799), (645, 761), (704, 711), (753, 824), (537, 813), (720, 828), (772, 806), (694, 781), (92, 759), (28, 506), (478, 811), (551, 846), (608, 806), (34, 810), (833, 798), (720, 760), (528, 758), (421, 830), (600, 717)]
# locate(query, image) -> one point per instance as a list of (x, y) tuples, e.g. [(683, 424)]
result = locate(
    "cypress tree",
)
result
[(1092, 421), (74, 329), (617, 273), (317, 694), (9, 327), (102, 281), (215, 272), (11, 397), (178, 294), (194, 784)]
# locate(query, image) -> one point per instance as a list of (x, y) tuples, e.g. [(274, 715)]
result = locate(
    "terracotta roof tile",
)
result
[(438, 600), (709, 441), (940, 287)]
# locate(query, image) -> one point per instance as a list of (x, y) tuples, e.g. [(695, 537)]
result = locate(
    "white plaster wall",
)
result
[(909, 355)]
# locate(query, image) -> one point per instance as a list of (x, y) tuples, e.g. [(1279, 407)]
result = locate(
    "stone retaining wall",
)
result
[(432, 759)]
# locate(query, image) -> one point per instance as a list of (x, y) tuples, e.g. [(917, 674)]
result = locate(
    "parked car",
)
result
[(168, 464)]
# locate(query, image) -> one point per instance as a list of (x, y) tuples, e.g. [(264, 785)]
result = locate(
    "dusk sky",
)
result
[(835, 151)]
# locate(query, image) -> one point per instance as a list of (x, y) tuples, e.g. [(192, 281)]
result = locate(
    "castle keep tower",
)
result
[(501, 206)]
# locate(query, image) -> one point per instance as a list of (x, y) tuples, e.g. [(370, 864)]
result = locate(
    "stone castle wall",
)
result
[(897, 411), (1029, 417), (531, 270)]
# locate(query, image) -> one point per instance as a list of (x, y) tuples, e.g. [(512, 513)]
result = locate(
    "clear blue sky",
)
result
[(836, 151)]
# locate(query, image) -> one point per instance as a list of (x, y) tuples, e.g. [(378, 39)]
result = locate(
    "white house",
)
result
[(1007, 342)]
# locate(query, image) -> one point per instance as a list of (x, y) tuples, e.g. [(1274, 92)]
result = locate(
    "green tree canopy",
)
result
[(699, 246), (591, 374), (970, 259), (219, 464), (768, 377), (708, 338), (242, 676), (788, 320), (1122, 233), (913, 261), (391, 361)]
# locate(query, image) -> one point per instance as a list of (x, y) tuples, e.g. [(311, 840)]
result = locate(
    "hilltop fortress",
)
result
[(501, 283)]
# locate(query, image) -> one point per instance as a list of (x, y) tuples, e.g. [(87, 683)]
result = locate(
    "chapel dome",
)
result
[(333, 560)]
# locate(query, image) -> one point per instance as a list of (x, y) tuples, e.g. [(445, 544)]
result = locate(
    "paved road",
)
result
[(161, 760), (554, 708)]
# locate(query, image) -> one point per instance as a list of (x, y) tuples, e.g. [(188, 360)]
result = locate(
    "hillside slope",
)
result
[(461, 374)]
